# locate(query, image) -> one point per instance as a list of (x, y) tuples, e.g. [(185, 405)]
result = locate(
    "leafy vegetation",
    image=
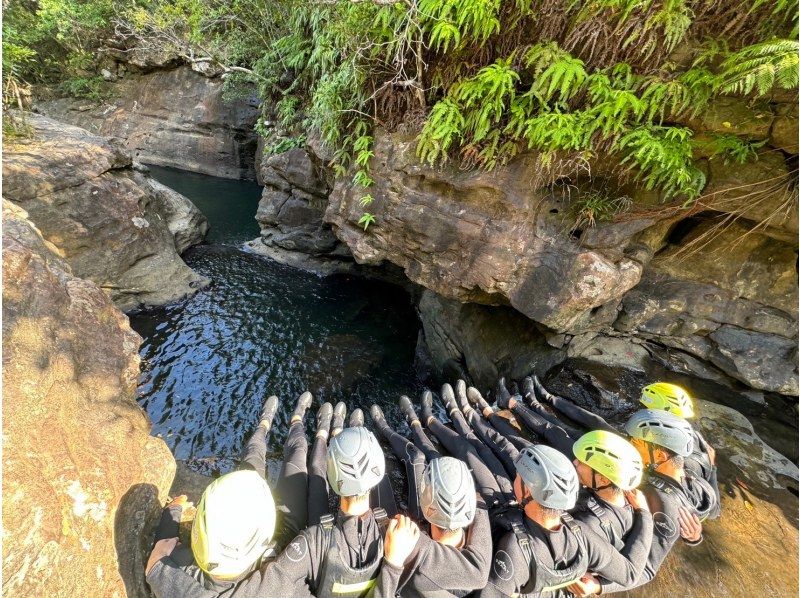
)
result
[(479, 80)]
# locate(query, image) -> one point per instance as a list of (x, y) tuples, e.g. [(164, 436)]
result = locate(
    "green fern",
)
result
[(365, 220), (761, 67)]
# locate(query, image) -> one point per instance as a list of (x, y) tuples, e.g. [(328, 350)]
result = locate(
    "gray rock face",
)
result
[(83, 481), (187, 224), (481, 343), (291, 212), (720, 286), (489, 238), (176, 118), (110, 226)]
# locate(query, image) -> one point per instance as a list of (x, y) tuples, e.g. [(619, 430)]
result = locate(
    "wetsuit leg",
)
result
[(553, 435), (291, 489), (504, 427), (484, 452), (414, 461), (423, 443), (318, 481), (500, 445), (584, 417), (495, 489), (255, 452)]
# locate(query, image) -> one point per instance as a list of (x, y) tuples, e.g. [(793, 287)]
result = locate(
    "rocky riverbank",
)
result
[(83, 481), (113, 225)]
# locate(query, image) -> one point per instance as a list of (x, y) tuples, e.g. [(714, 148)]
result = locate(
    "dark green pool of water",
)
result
[(262, 328)]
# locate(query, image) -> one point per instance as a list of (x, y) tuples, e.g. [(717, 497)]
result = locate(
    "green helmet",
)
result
[(612, 456), (234, 524), (668, 397)]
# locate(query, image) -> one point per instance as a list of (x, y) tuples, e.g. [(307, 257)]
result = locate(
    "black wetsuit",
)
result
[(664, 505), (436, 570), (511, 572), (698, 463), (179, 575)]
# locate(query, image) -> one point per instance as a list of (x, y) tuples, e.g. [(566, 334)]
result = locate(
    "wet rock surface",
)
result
[(172, 117), (111, 224), (83, 480)]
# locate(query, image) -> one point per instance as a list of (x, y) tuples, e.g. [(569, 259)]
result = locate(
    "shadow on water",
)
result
[(262, 328)]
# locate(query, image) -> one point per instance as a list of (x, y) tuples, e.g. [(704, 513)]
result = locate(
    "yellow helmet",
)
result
[(612, 456), (668, 397), (234, 524)]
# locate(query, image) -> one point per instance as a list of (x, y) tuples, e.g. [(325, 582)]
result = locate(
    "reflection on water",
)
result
[(262, 328)]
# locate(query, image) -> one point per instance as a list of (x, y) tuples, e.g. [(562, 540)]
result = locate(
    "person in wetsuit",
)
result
[(453, 560), (180, 574), (558, 434), (233, 529), (549, 551), (664, 441), (660, 396)]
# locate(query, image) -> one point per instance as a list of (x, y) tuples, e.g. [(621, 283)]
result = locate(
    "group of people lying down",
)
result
[(495, 514)]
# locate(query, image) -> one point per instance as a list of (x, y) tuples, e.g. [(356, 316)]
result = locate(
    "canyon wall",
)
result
[(171, 116)]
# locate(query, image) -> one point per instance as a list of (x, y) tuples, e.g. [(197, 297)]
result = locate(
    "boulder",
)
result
[(735, 116), (82, 194), (732, 302), (83, 480), (784, 132), (175, 117), (185, 222), (293, 203)]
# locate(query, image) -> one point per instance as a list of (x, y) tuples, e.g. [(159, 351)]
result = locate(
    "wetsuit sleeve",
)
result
[(626, 566), (666, 532), (447, 568), (297, 568), (167, 579), (509, 570), (388, 580)]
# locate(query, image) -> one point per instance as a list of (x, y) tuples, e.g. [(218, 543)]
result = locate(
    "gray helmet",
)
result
[(447, 493), (355, 462), (549, 476), (663, 429)]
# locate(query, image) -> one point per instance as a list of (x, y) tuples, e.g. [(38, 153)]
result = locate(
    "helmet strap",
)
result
[(597, 488)]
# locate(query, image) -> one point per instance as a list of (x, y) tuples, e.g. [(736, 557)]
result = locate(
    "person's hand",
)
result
[(587, 585), (636, 499), (401, 538), (712, 454), (160, 550), (691, 528)]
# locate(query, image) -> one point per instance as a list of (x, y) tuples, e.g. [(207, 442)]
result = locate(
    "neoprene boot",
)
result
[(540, 392), (376, 413), (339, 413), (426, 404), (303, 403), (356, 418), (461, 395), (449, 398), (324, 418), (268, 413), (407, 409), (476, 398), (503, 395)]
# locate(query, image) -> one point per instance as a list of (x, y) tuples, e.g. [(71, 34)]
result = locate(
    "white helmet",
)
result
[(355, 462), (447, 493), (234, 524), (663, 429), (549, 476)]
